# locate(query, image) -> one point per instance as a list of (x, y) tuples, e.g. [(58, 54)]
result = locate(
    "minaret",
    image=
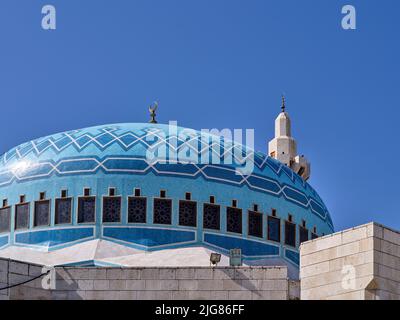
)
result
[(284, 147)]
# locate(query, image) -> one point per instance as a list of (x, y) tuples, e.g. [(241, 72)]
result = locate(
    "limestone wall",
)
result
[(223, 283), (359, 263)]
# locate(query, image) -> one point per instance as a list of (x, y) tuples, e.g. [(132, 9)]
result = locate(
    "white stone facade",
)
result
[(362, 263), (202, 283)]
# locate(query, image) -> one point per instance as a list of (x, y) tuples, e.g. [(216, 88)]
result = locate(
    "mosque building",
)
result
[(94, 191), (156, 211)]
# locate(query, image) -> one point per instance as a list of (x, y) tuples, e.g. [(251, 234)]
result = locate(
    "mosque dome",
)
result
[(144, 188)]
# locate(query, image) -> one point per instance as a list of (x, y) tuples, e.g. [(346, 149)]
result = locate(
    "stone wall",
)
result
[(220, 283), (359, 263)]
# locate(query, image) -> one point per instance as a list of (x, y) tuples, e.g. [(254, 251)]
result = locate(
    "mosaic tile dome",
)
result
[(98, 183)]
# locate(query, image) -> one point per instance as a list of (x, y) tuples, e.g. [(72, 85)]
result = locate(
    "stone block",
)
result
[(269, 295), (243, 273), (185, 273), (273, 285), (97, 274), (135, 285), (117, 285), (128, 295), (210, 284), (78, 295), (276, 273), (349, 249), (240, 295), (85, 285), (34, 271), (59, 295), (204, 273), (180, 295), (132, 274), (154, 295), (76, 273), (232, 285), (67, 285), (3, 265), (188, 285), (167, 273), (152, 285), (258, 273), (114, 274), (219, 295), (101, 284), (355, 234), (251, 285), (314, 269), (391, 236), (169, 284), (18, 268), (150, 274), (319, 256), (321, 244), (3, 277), (224, 273), (354, 295), (200, 295), (17, 278)]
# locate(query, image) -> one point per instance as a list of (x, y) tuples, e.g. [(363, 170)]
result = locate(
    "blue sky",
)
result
[(220, 64)]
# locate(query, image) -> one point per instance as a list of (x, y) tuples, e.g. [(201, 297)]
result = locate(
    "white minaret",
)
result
[(284, 148)]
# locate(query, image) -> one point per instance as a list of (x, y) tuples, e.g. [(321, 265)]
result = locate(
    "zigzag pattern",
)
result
[(108, 136), (151, 137)]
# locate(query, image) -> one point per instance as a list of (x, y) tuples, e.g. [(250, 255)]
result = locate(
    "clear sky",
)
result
[(220, 64)]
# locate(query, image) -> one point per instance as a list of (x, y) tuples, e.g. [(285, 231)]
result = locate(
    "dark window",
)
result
[(42, 195), (290, 218), (86, 192), (255, 207), (212, 199), (188, 213), (314, 236), (234, 203), (22, 199), (42, 213), (303, 223), (111, 192), (303, 234), (273, 212), (290, 234), (63, 210), (137, 208), (111, 209), (274, 229), (64, 193), (5, 203), (234, 220), (255, 224), (188, 196), (22, 216), (162, 211), (5, 216), (211, 216), (315, 230), (137, 192), (163, 194), (86, 209)]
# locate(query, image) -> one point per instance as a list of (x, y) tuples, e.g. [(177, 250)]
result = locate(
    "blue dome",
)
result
[(116, 157)]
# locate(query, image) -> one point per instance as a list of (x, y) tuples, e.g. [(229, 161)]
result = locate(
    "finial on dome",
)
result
[(152, 110), (283, 103)]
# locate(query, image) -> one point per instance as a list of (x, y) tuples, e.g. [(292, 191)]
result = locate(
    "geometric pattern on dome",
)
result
[(105, 137), (127, 139), (141, 166)]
